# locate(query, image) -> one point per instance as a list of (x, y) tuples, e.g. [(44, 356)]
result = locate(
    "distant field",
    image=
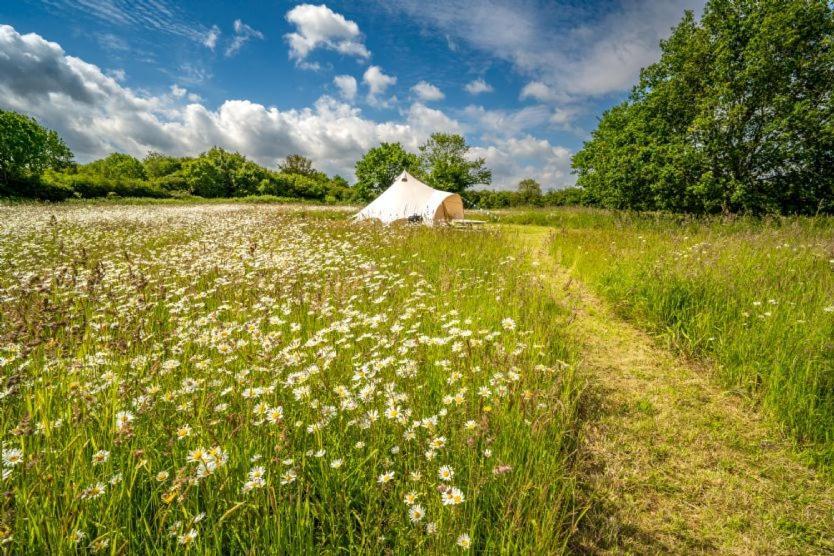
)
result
[(236, 377), (754, 296)]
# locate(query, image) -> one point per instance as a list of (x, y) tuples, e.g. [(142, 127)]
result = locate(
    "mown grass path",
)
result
[(672, 463)]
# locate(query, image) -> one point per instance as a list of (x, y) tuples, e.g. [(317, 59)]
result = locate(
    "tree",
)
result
[(219, 173), (443, 159), (735, 116), (27, 148), (297, 164), (379, 166), (530, 192), (158, 165), (115, 166)]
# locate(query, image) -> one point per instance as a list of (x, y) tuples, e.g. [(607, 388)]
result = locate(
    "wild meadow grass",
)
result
[(755, 296), (247, 379)]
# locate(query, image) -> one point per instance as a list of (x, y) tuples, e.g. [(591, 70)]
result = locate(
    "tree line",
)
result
[(35, 162)]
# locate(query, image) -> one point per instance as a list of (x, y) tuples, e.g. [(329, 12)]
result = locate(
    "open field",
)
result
[(238, 379), (257, 378)]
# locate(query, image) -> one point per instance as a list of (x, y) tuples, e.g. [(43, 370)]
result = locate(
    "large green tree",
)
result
[(529, 192), (158, 165), (219, 173), (445, 161), (379, 166), (115, 166), (27, 148), (737, 115)]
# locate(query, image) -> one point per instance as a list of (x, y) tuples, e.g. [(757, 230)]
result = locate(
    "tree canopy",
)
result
[(736, 116), (115, 165), (379, 166), (445, 163), (27, 149)]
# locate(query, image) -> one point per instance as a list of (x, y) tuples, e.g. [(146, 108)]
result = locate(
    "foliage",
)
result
[(27, 149), (735, 116), (158, 165), (445, 163), (214, 381), (376, 170), (530, 192), (219, 173), (297, 164), (489, 199), (115, 166)]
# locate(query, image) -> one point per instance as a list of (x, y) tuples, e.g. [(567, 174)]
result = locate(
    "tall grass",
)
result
[(247, 379), (755, 296)]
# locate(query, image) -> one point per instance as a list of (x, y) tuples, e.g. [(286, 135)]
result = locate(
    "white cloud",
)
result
[(514, 159), (118, 74), (210, 39), (243, 34), (347, 86), (425, 121), (477, 87), (377, 82), (538, 91), (321, 27), (507, 123), (427, 92), (178, 91)]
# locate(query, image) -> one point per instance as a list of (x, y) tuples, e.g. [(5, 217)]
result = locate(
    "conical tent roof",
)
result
[(408, 197)]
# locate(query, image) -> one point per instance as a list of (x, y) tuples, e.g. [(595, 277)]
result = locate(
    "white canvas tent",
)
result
[(409, 198)]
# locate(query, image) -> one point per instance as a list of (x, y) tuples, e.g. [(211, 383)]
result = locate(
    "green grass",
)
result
[(754, 296), (199, 321)]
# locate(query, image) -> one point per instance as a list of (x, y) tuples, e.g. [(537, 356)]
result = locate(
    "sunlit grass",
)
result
[(755, 296), (242, 379)]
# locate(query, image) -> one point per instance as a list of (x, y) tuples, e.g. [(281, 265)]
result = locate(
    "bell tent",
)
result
[(409, 199)]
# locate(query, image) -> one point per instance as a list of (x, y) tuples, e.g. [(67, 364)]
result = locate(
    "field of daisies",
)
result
[(255, 379)]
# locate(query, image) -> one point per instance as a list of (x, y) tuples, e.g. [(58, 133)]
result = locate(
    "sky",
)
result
[(525, 81)]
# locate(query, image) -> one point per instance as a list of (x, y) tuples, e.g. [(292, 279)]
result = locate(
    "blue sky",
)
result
[(523, 80)]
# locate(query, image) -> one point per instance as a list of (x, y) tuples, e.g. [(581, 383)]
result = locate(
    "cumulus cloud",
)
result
[(377, 82), (538, 91), (347, 86), (243, 34), (514, 159), (477, 87), (321, 27), (427, 92), (97, 115)]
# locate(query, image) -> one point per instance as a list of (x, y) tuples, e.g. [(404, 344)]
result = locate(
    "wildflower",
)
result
[(275, 414), (508, 324), (416, 513), (100, 457), (415, 475), (93, 492), (197, 455), (123, 419), (464, 541), (12, 456), (288, 477), (187, 538), (452, 497), (431, 528), (446, 473), (78, 536), (385, 477), (183, 432), (410, 499), (162, 476), (336, 463)]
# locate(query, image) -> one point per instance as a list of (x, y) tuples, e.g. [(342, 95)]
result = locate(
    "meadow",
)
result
[(752, 297), (261, 379)]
